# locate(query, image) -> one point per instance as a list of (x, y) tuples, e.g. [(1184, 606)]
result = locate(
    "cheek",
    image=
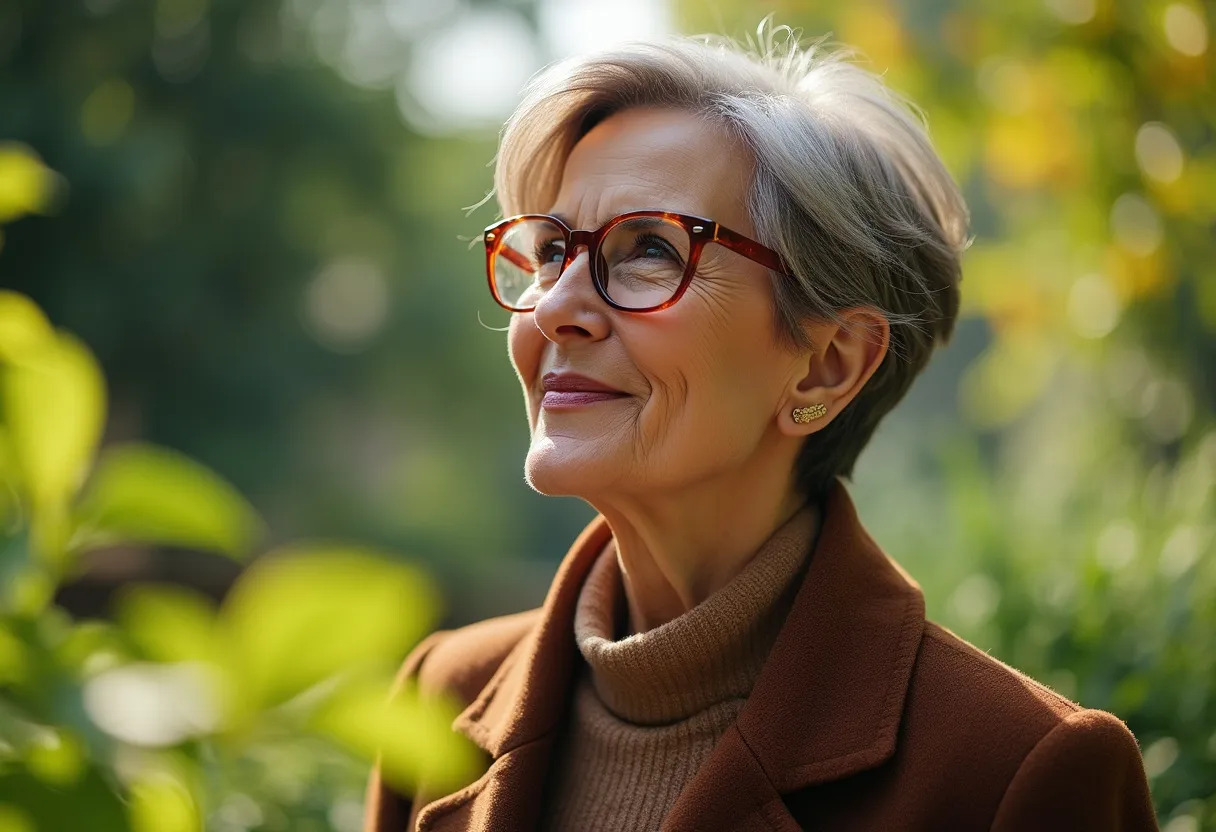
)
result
[(723, 363), (681, 356), (525, 345)]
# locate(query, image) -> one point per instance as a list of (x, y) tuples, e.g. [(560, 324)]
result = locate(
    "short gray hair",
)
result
[(847, 188)]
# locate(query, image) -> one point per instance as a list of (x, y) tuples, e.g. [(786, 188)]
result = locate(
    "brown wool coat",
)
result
[(865, 717)]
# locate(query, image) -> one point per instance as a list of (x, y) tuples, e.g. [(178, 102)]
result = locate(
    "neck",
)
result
[(675, 552)]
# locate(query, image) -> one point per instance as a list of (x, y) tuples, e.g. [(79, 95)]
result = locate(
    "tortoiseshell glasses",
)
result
[(641, 261)]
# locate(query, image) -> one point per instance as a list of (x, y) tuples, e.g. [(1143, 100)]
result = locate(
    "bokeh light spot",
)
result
[(1093, 306), (1073, 11), (1117, 545), (153, 705), (346, 304), (107, 111), (470, 73), (1185, 29), (1159, 756), (1135, 224), (1158, 152), (574, 26)]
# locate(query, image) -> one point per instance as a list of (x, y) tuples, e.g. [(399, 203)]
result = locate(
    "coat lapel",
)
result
[(827, 703), (518, 712)]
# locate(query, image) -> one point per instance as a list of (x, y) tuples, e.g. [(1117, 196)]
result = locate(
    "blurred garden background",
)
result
[(249, 368)]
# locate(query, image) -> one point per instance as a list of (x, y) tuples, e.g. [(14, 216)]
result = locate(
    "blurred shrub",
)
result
[(177, 714)]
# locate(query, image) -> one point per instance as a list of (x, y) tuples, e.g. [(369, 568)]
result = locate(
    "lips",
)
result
[(575, 383), (570, 390)]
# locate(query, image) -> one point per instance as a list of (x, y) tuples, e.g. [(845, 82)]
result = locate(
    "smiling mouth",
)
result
[(570, 399)]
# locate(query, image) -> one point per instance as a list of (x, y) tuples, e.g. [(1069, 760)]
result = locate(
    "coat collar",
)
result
[(827, 703)]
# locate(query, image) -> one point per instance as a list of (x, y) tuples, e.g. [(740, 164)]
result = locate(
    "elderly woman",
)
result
[(725, 267)]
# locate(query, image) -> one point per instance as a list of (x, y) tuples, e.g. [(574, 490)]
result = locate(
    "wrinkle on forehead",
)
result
[(646, 158)]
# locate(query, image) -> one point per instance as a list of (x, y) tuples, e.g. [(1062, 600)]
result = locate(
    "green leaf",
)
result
[(169, 623), (27, 186), (10, 507), (54, 401), (410, 734), (23, 326), (161, 802), (307, 613), (56, 758), (14, 658), (89, 645), (155, 495)]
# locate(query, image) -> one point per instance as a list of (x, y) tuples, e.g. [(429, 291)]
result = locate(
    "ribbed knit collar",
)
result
[(709, 654)]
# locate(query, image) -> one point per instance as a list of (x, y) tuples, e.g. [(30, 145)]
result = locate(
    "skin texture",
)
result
[(693, 470)]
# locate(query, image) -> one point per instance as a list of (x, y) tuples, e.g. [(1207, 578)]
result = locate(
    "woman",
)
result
[(725, 269)]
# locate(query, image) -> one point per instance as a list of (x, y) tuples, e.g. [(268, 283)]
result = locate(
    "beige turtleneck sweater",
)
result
[(648, 708)]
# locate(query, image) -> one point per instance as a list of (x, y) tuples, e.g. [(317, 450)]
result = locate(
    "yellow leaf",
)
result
[(1028, 150), (876, 30)]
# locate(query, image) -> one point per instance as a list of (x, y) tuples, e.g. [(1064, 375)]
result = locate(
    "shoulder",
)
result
[(462, 660), (1029, 751), (973, 680)]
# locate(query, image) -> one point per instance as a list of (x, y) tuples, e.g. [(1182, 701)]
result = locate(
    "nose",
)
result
[(571, 307)]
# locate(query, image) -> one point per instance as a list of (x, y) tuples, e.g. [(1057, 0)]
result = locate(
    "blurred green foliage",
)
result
[(137, 723), (273, 271)]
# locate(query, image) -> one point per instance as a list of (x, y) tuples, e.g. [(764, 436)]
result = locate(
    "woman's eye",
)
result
[(549, 253), (654, 247)]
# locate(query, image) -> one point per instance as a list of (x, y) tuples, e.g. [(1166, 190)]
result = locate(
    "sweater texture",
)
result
[(649, 707)]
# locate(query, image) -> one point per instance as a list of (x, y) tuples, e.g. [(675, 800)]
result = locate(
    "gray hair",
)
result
[(847, 189)]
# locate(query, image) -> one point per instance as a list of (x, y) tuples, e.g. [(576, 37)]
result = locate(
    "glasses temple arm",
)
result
[(516, 257), (749, 248)]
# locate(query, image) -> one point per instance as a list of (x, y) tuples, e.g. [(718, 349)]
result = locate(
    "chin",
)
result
[(554, 472)]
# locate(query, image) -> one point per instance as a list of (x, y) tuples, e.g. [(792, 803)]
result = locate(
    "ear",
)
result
[(845, 356)]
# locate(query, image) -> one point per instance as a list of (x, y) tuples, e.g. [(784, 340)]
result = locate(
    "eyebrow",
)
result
[(600, 222)]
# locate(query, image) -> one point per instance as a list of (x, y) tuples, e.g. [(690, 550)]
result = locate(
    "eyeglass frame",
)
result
[(700, 232)]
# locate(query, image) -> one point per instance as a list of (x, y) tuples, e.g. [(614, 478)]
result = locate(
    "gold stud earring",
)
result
[(802, 415)]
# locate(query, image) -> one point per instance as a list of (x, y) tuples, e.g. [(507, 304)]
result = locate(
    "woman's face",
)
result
[(704, 379)]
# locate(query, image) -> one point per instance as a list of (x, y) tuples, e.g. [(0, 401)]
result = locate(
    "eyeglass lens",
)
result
[(641, 261)]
